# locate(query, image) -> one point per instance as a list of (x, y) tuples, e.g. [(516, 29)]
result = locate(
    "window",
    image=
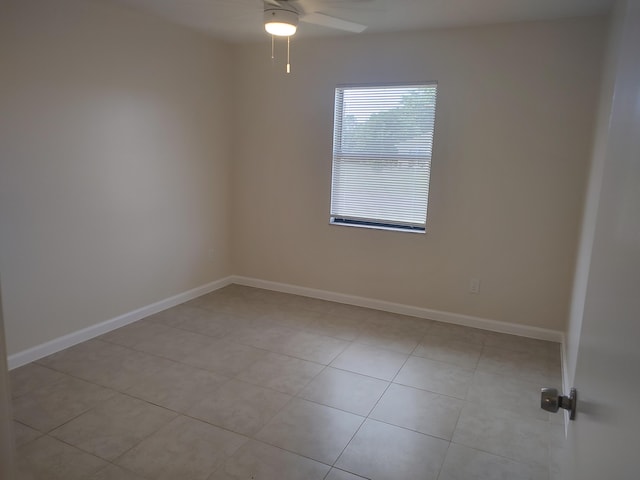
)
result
[(382, 143)]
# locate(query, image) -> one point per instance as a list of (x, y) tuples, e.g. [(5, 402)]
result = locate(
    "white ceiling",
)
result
[(241, 20)]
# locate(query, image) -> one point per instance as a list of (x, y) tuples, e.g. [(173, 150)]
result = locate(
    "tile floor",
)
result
[(245, 383)]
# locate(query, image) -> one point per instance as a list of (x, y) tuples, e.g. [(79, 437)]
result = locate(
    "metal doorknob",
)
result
[(551, 401)]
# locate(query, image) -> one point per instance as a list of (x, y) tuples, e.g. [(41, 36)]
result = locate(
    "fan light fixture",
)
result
[(280, 22)]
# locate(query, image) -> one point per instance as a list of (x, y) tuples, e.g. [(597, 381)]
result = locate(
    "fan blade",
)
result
[(283, 4), (332, 22), (274, 3)]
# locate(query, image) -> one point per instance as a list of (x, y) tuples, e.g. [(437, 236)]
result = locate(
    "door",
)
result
[(604, 440)]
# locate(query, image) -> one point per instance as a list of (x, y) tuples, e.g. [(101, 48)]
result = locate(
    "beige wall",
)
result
[(513, 133), (117, 187), (114, 175)]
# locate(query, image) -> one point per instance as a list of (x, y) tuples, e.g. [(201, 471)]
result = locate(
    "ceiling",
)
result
[(241, 20)]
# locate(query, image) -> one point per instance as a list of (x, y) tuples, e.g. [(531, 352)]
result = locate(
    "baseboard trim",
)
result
[(66, 341), (439, 315), (39, 351)]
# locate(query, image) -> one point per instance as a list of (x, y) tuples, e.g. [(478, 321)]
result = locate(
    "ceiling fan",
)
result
[(281, 20), (281, 17)]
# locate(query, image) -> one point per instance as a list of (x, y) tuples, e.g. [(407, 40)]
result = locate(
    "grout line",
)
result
[(346, 471), (370, 411), (510, 459), (444, 459), (75, 447)]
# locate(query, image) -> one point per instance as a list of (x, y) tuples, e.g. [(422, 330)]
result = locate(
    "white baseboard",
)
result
[(66, 341), (439, 315)]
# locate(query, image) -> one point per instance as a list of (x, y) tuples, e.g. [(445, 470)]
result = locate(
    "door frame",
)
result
[(7, 447)]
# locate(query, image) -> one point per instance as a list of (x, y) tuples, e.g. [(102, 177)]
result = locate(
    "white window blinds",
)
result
[(382, 143)]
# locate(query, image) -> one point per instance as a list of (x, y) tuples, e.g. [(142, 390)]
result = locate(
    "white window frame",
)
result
[(345, 201)]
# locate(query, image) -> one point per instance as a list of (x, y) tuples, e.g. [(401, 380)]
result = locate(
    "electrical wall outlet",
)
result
[(474, 286)]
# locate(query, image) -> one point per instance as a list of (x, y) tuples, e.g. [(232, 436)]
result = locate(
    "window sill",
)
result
[(373, 226)]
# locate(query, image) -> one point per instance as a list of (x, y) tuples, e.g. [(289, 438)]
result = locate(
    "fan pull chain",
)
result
[(273, 56), (288, 62)]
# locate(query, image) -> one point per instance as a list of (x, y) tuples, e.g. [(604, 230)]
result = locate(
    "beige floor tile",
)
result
[(351, 311), (437, 377), (106, 364), (390, 337), (345, 390), (185, 449), (550, 350), (406, 323), (240, 407), (209, 323), (173, 317), (255, 309), (235, 291), (443, 349), (523, 365), (28, 377), (464, 463), (371, 361), (384, 452), (509, 393), (221, 302), (24, 434), (557, 447), (174, 344), (457, 332), (50, 406), (114, 426), (211, 299), (49, 459), (503, 433), (293, 317), (243, 305), (312, 430), (315, 348), (556, 475), (282, 373), (206, 326), (265, 336), (309, 303), (178, 387), (269, 296), (113, 472), (134, 333), (249, 308), (337, 474), (226, 358), (233, 321), (341, 327), (265, 462), (419, 410)]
